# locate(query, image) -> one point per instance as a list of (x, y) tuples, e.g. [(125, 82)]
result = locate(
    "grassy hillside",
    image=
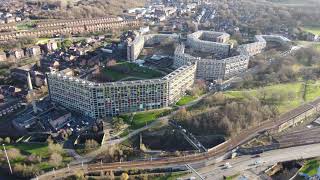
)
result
[(285, 96)]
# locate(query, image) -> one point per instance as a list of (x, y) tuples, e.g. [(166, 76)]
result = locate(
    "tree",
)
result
[(7, 140), (181, 114), (34, 159), (124, 176), (66, 44), (79, 175), (111, 63), (55, 148), (117, 123), (95, 128), (91, 144), (198, 88), (14, 153), (55, 159)]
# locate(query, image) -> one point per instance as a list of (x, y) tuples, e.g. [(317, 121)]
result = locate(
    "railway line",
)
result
[(234, 142)]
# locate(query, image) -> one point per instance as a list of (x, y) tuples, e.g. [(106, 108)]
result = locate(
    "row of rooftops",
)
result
[(82, 21)]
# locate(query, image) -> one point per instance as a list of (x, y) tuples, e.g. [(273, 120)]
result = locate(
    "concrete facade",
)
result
[(135, 47), (210, 41), (226, 67), (99, 100)]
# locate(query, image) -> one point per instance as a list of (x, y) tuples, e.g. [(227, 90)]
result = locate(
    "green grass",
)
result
[(315, 45), (185, 100), (313, 30), (171, 176), (232, 177), (130, 70), (25, 25), (312, 92), (311, 167), (42, 40), (124, 133), (141, 119), (37, 149)]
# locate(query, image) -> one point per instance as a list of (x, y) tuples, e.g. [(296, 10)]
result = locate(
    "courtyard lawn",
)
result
[(141, 119), (114, 75), (125, 69), (296, 89), (185, 100), (311, 167)]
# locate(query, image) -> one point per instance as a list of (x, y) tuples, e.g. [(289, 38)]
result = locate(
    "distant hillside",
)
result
[(296, 2), (87, 8)]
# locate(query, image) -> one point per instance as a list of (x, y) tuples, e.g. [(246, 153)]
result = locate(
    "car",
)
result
[(228, 165), (256, 156), (257, 162), (309, 126)]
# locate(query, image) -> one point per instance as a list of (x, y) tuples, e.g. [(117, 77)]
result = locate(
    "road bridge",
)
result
[(266, 159)]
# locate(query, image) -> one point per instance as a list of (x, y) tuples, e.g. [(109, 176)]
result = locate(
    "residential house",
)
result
[(33, 51), (3, 56)]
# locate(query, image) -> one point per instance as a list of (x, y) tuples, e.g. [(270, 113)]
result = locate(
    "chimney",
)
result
[(34, 106)]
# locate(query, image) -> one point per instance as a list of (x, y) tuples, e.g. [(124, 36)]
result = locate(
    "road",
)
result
[(269, 158)]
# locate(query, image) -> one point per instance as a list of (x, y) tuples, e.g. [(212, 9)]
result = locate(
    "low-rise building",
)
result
[(33, 51), (17, 53), (3, 56)]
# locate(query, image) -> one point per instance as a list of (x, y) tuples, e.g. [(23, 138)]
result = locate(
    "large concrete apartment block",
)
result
[(135, 47), (99, 100), (226, 67), (209, 41)]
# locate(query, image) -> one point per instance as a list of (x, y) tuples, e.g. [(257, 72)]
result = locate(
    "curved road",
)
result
[(265, 160)]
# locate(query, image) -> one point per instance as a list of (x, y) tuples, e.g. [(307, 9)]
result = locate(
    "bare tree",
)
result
[(55, 159)]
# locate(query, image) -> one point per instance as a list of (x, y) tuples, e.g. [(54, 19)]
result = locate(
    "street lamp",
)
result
[(5, 151)]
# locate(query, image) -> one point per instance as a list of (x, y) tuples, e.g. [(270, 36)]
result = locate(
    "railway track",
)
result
[(176, 161)]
